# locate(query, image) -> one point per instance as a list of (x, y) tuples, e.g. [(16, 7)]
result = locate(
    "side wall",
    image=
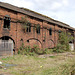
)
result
[(43, 40)]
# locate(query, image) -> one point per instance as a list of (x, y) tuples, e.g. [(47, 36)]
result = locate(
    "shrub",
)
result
[(63, 42), (25, 50), (37, 50), (48, 51), (31, 51)]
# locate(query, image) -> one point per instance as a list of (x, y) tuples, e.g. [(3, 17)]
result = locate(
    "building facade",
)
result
[(38, 30)]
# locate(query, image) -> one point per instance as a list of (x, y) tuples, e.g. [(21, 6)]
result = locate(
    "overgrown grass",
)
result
[(61, 64)]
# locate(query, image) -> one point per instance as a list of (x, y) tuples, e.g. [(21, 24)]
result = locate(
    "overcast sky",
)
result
[(61, 10)]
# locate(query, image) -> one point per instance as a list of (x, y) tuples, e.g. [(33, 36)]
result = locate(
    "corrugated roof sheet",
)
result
[(34, 14)]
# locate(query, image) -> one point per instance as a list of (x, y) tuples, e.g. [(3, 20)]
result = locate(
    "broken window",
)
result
[(50, 31), (6, 22), (59, 31), (38, 28), (28, 27)]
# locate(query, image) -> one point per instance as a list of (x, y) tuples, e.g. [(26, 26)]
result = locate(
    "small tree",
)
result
[(24, 23), (63, 42)]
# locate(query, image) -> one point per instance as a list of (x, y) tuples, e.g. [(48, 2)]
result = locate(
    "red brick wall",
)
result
[(43, 40), (74, 39)]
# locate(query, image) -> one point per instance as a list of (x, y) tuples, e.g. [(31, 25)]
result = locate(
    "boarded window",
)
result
[(38, 28), (50, 31), (6, 22)]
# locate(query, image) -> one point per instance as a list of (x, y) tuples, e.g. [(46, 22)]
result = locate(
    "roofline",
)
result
[(34, 14)]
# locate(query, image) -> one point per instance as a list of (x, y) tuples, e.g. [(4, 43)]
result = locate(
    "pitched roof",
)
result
[(34, 14)]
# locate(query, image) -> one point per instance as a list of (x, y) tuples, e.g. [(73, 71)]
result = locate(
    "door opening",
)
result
[(6, 45)]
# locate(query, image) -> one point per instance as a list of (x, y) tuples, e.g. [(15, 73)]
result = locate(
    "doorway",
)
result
[(6, 46)]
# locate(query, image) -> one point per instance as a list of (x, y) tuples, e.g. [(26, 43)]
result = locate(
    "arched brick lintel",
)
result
[(8, 37), (51, 43), (36, 40)]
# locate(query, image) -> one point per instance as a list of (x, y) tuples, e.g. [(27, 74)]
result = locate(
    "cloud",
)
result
[(56, 5), (65, 2), (52, 5), (19, 3), (62, 10)]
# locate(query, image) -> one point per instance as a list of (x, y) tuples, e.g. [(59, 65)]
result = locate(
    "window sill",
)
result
[(6, 29), (38, 33)]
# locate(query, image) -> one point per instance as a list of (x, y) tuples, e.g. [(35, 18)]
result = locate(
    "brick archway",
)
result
[(7, 45), (50, 43), (34, 41), (6, 38)]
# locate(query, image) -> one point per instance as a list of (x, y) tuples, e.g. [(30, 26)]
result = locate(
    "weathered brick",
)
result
[(43, 40)]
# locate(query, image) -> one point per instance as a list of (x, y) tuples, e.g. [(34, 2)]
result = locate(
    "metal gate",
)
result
[(6, 48)]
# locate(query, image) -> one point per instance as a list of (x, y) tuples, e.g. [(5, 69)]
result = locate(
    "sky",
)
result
[(61, 10)]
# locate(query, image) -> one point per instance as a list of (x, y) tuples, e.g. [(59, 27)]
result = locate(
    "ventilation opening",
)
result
[(27, 40)]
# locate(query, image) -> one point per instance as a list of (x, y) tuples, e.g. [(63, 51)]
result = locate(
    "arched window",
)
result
[(50, 31), (28, 27), (6, 22), (38, 28)]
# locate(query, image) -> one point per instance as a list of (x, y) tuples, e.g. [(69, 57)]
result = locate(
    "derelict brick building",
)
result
[(41, 30)]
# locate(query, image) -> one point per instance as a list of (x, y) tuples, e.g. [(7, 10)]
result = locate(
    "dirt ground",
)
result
[(40, 63)]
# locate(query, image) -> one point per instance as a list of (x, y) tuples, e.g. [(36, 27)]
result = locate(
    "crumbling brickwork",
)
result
[(43, 39)]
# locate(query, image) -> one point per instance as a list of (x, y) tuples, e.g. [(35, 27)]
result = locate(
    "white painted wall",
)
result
[(71, 46)]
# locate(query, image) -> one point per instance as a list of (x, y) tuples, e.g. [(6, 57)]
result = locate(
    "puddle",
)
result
[(5, 66), (9, 65)]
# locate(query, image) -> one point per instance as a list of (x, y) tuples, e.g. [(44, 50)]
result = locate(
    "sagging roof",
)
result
[(34, 14)]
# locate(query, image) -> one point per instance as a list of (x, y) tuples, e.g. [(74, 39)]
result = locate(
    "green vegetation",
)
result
[(24, 22), (60, 64), (63, 42), (36, 61), (27, 50)]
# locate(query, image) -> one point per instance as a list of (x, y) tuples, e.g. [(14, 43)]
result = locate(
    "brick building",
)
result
[(40, 30)]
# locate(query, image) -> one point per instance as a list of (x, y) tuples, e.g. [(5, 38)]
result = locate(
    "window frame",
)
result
[(50, 31), (6, 20), (38, 28), (28, 27)]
